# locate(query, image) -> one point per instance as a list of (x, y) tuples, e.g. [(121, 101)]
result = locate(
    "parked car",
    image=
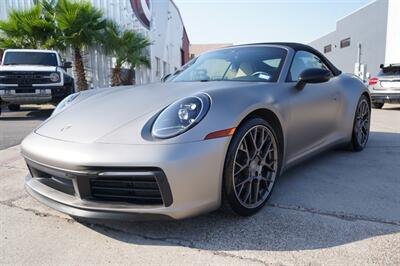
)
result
[(33, 77), (218, 133), (385, 87)]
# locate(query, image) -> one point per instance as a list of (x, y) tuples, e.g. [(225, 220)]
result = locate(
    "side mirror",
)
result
[(313, 75), (67, 65), (163, 79)]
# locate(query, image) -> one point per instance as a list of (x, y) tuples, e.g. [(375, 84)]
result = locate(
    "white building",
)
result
[(159, 20), (364, 39)]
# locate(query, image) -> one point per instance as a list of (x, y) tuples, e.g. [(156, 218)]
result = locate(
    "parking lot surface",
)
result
[(14, 126), (339, 208)]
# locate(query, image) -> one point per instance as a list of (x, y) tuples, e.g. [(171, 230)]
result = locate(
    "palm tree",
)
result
[(128, 47), (81, 25), (32, 28)]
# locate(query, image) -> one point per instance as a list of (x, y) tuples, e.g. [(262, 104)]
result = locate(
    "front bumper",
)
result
[(193, 174), (34, 95)]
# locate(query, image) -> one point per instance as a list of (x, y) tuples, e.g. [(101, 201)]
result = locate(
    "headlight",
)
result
[(180, 116), (54, 77), (65, 103)]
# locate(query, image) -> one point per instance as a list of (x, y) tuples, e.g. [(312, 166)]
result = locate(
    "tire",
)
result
[(14, 107), (361, 125), (377, 105), (242, 163)]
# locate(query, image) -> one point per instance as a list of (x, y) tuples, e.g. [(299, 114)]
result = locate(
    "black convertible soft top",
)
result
[(303, 47)]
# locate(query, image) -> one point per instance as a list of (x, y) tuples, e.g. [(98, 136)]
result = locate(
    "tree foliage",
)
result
[(31, 28), (58, 24), (81, 25), (127, 46)]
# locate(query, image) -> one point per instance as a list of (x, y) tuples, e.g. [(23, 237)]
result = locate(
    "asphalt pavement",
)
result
[(339, 208), (14, 126)]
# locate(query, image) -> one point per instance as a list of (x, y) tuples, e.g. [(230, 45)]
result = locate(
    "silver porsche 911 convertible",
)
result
[(218, 132)]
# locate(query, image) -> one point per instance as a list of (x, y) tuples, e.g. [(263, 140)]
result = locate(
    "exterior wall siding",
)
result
[(393, 34), (166, 33)]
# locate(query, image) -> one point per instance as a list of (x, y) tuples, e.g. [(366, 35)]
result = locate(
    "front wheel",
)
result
[(251, 167), (361, 125)]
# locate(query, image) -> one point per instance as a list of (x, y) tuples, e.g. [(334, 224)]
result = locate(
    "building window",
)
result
[(158, 67), (328, 48), (345, 43), (165, 68), (182, 57)]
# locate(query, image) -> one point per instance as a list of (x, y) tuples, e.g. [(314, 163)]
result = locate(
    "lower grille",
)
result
[(137, 190), (24, 90), (139, 185), (60, 183)]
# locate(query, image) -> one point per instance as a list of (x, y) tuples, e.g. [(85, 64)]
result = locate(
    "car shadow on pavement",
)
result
[(333, 199)]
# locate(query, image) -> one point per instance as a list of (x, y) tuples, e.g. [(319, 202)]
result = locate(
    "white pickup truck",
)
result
[(33, 77)]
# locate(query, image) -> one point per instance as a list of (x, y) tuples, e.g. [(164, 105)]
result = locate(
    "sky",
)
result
[(249, 21)]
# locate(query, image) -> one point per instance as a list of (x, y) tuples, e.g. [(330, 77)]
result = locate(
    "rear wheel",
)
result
[(377, 105), (251, 167), (14, 107), (361, 127)]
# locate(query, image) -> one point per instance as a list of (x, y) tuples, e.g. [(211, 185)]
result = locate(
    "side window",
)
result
[(302, 61)]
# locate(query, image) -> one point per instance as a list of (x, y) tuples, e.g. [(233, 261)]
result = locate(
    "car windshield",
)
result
[(260, 64), (30, 58), (390, 71)]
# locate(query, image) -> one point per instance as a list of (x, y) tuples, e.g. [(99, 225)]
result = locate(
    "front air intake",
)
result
[(142, 190)]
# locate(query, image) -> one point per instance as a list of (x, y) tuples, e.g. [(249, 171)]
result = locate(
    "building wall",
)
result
[(366, 26), (167, 33), (100, 66), (6, 5), (393, 33)]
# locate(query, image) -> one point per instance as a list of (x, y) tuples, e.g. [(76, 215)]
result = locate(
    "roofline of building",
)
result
[(357, 10), (322, 36), (344, 17)]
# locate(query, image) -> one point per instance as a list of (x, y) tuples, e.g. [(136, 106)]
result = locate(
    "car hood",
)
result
[(34, 68), (108, 110)]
